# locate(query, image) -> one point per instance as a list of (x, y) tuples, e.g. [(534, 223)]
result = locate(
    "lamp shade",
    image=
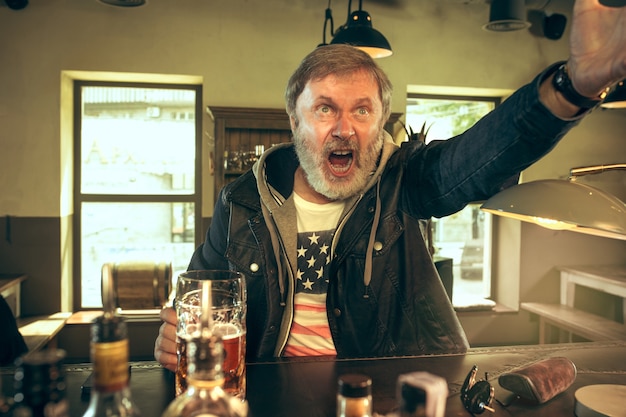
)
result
[(562, 205), (616, 99), (613, 3), (506, 16), (359, 32), (124, 3), (16, 4)]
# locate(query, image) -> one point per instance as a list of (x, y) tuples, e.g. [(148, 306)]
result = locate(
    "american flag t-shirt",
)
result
[(313, 257), (310, 333)]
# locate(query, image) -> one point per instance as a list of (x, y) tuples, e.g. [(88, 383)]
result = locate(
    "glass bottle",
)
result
[(421, 394), (111, 396), (354, 396), (205, 375), (204, 395), (39, 382)]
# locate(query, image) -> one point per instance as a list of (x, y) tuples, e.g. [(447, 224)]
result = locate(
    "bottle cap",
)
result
[(108, 329), (355, 385), (422, 392), (411, 397)]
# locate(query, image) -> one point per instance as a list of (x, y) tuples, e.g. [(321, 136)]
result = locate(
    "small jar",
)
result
[(354, 396)]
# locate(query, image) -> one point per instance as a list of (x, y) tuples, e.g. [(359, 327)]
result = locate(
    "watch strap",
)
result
[(563, 84)]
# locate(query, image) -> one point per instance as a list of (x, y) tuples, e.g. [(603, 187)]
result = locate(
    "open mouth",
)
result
[(340, 161)]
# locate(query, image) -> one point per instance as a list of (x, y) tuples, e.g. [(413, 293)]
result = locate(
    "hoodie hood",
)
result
[(274, 173), (279, 209)]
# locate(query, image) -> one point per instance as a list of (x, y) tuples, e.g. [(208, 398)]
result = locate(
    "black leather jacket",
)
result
[(396, 305)]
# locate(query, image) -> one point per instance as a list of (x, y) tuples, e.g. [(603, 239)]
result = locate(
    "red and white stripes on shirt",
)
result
[(310, 334)]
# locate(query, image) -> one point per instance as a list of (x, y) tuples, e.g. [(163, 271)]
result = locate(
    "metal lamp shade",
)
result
[(359, 33), (562, 205), (506, 16), (613, 3), (124, 3)]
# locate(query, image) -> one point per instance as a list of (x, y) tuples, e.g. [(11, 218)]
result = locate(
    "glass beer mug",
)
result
[(228, 306)]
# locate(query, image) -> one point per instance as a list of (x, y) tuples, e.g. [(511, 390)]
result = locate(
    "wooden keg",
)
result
[(141, 284)]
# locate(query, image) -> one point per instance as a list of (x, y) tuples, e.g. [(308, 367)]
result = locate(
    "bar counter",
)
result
[(306, 387)]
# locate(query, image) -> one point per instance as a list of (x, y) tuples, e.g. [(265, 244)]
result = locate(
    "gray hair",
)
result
[(339, 60)]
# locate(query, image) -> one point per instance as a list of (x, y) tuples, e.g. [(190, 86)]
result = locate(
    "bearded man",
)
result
[(327, 229)]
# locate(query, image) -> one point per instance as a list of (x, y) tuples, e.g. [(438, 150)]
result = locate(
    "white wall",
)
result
[(243, 51)]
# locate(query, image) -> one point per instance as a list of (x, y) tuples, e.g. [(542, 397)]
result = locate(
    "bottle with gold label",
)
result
[(111, 394)]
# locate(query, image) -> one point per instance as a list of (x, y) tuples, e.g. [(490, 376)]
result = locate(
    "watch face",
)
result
[(559, 78), (563, 85)]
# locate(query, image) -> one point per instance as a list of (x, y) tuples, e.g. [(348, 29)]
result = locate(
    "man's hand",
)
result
[(597, 47), (165, 343)]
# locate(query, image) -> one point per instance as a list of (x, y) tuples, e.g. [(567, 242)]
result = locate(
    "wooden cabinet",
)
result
[(243, 133)]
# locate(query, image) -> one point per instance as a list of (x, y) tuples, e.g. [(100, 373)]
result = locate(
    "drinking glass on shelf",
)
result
[(228, 306), (248, 158), (233, 160)]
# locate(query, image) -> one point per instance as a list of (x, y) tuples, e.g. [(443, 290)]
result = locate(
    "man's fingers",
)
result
[(165, 343), (168, 315), (168, 332), (168, 360), (165, 351)]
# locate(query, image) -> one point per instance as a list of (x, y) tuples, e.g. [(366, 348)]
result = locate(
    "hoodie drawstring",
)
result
[(277, 252), (367, 275)]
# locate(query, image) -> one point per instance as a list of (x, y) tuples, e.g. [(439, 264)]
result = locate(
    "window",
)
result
[(137, 178), (465, 237)]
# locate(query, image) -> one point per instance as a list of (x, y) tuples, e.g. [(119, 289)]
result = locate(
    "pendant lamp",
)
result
[(359, 32), (507, 16), (124, 3), (564, 204)]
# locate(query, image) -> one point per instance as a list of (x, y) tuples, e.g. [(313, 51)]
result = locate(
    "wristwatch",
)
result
[(563, 84)]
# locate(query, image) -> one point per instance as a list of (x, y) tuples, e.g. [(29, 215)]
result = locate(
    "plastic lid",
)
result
[(355, 385)]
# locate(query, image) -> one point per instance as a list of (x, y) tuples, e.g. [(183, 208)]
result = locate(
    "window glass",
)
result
[(137, 141), (119, 232), (137, 195), (465, 237)]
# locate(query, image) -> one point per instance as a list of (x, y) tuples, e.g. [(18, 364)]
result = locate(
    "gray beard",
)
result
[(336, 188)]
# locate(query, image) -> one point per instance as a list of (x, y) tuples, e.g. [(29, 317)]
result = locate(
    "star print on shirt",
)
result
[(313, 257)]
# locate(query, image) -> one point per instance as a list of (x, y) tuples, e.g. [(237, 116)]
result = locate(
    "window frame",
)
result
[(79, 198), (489, 281)]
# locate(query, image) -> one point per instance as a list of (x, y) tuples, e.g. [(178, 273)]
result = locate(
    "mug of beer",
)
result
[(228, 305)]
